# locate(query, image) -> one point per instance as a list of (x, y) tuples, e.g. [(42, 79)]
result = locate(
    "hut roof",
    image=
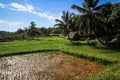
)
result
[(72, 34)]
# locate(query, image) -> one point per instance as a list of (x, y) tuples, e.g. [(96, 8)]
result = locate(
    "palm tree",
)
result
[(89, 21), (65, 23), (114, 18), (74, 27), (110, 18)]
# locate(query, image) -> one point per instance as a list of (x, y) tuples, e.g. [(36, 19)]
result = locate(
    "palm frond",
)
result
[(83, 26), (60, 25), (95, 3), (72, 15), (84, 6), (97, 14), (103, 5), (90, 3), (81, 23), (79, 9), (57, 20)]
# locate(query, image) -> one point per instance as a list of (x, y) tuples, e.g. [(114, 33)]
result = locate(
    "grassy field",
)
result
[(101, 55)]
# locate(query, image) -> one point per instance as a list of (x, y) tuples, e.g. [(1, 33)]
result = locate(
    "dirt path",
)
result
[(45, 66)]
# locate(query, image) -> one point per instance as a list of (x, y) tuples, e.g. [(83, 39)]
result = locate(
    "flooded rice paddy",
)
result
[(46, 66)]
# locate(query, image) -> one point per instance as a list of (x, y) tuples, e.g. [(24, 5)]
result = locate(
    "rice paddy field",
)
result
[(56, 58)]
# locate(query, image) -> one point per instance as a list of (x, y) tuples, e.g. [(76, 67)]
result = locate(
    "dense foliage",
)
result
[(27, 33), (65, 23), (94, 21)]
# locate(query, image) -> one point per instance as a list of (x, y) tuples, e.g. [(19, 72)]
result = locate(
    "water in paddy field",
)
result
[(46, 66)]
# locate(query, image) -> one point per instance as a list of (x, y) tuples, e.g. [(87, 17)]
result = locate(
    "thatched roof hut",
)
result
[(74, 36)]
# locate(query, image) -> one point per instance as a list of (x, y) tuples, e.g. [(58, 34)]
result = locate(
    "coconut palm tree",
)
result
[(65, 22), (74, 27), (89, 21), (110, 18), (114, 18)]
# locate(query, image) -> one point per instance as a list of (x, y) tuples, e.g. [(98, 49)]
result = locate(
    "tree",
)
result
[(74, 27), (33, 31), (19, 31), (65, 22), (43, 31), (89, 21), (110, 18), (49, 31), (114, 18), (21, 34)]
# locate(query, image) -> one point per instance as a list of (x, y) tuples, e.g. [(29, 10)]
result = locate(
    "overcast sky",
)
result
[(16, 14)]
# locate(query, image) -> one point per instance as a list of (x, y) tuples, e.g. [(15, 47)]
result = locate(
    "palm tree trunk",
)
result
[(99, 39)]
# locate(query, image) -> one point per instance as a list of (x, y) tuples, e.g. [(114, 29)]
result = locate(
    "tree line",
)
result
[(31, 32)]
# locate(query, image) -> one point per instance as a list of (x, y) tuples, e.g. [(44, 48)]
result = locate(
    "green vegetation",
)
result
[(112, 73), (94, 22), (66, 23), (27, 33), (97, 26), (59, 43), (101, 55)]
